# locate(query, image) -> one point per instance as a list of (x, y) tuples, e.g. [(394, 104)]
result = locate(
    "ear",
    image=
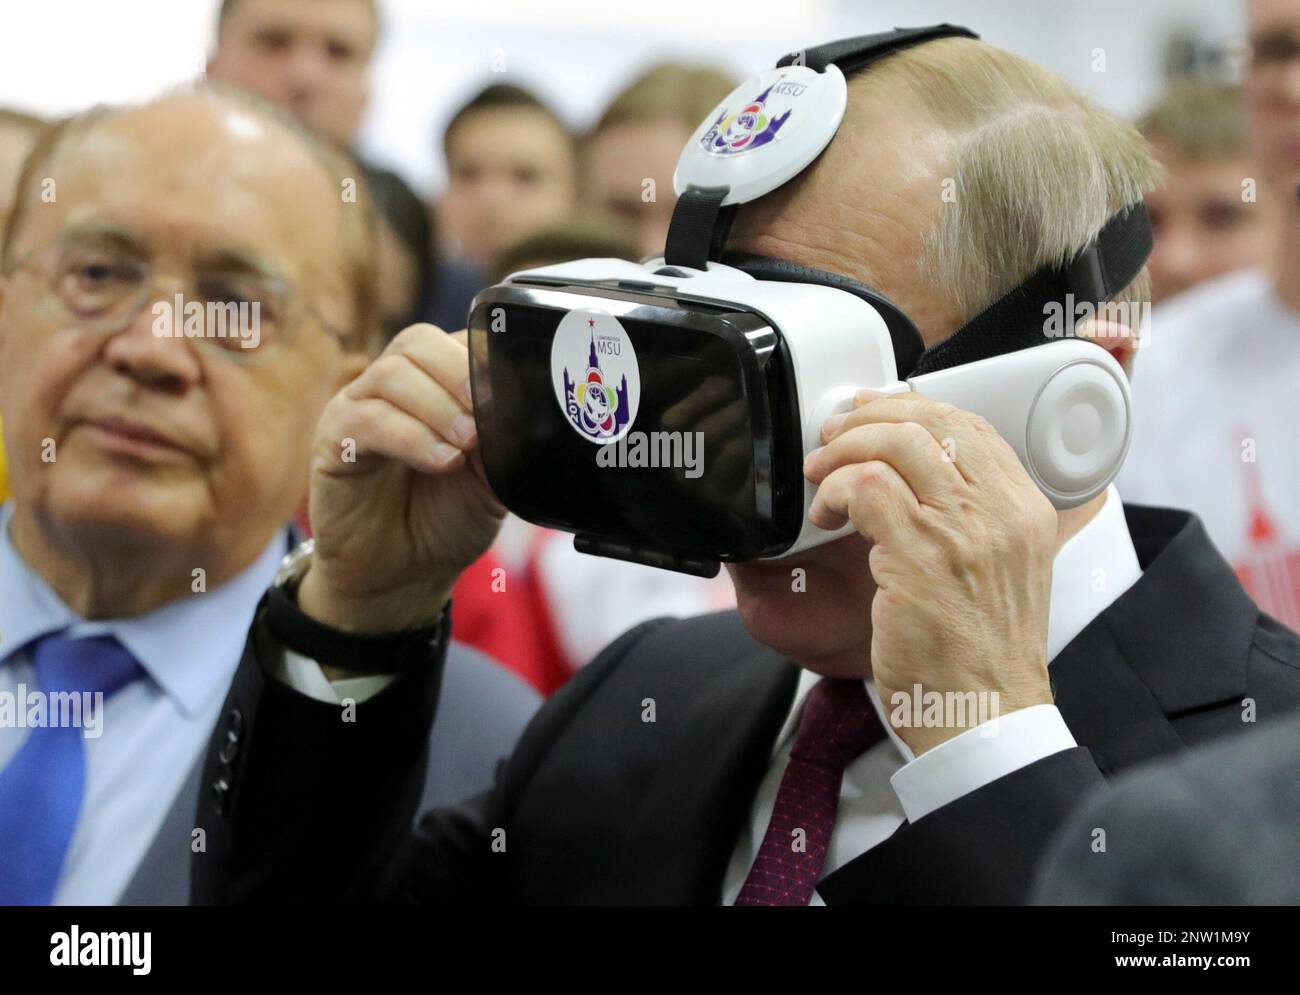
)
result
[(1115, 337)]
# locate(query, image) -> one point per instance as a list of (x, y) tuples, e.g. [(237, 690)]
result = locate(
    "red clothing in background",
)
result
[(503, 614)]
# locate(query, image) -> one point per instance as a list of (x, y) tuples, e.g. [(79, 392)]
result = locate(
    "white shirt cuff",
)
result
[(306, 677), (978, 757)]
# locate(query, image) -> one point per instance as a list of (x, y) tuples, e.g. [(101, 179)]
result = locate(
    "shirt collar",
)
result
[(1091, 570), (1094, 567), (190, 647)]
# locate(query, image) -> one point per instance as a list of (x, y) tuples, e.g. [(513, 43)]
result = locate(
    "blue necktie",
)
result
[(42, 788)]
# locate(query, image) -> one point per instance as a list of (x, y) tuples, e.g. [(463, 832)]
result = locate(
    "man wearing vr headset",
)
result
[(770, 756)]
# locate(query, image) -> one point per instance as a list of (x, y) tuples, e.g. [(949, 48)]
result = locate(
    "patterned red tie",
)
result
[(838, 724)]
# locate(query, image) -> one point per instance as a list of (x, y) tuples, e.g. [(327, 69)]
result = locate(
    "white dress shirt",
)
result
[(153, 729), (887, 784)]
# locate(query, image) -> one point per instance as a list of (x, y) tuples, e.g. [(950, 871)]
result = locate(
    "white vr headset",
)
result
[(661, 410)]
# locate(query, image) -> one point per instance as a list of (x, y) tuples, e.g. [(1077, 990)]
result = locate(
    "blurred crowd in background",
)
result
[(522, 189)]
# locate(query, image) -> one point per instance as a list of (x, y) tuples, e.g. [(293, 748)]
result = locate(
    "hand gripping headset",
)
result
[(661, 411)]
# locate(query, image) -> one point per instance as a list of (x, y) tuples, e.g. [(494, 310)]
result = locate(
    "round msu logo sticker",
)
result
[(595, 375)]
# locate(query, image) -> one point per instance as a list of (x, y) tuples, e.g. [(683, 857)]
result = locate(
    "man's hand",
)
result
[(399, 502), (962, 555)]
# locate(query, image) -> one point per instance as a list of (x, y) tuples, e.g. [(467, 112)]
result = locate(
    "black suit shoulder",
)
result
[(657, 744), (1275, 644)]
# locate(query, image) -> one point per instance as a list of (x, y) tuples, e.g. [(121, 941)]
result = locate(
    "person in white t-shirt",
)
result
[(1217, 410), (1217, 382)]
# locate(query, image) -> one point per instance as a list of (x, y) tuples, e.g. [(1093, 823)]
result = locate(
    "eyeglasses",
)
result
[(103, 284)]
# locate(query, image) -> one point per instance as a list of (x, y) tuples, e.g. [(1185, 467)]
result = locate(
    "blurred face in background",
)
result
[(131, 439), (308, 56), (617, 163), (1202, 224), (1272, 90), (510, 171)]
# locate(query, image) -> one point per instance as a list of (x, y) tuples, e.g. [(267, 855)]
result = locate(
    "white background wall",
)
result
[(61, 55)]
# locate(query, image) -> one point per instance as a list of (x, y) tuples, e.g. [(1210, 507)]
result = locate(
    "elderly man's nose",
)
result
[(162, 361)]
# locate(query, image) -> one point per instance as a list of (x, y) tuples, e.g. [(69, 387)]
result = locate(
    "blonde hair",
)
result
[(1037, 168)]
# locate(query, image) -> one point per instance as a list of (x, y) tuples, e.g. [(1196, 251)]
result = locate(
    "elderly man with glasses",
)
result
[(183, 287)]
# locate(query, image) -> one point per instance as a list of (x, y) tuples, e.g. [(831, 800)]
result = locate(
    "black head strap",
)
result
[(851, 54), (699, 227), (1018, 319)]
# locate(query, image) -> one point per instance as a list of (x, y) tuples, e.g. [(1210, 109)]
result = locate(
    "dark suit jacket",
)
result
[(599, 806), (483, 710), (1219, 825)]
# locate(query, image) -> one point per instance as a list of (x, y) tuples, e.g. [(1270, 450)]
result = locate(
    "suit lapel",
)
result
[(1186, 627), (686, 825), (1176, 641), (1105, 703)]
